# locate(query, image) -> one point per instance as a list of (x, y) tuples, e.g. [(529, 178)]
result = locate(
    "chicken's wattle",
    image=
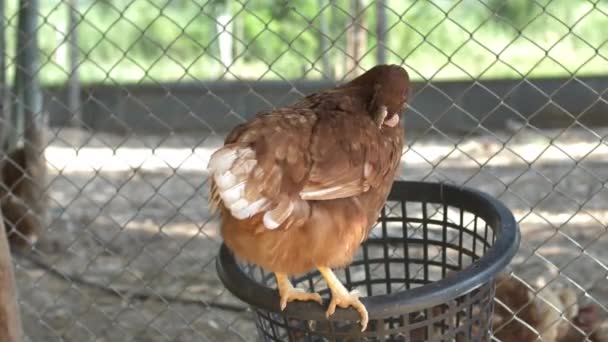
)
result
[(393, 121)]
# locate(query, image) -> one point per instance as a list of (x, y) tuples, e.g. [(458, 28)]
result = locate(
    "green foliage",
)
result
[(495, 39), (164, 40)]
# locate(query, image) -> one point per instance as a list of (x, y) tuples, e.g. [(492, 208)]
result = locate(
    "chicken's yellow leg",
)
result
[(341, 297), (288, 293)]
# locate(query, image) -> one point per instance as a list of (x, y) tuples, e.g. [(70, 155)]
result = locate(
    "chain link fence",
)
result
[(509, 98)]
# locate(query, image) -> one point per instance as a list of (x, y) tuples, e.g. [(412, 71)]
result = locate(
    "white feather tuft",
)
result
[(246, 153), (221, 160), (250, 209), (230, 168), (243, 167), (274, 218), (233, 194), (269, 222), (225, 180), (239, 205), (314, 194)]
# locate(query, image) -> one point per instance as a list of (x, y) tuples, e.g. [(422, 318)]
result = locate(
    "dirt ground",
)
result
[(130, 214)]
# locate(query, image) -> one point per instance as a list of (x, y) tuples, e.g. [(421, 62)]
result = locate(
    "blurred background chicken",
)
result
[(554, 315), (299, 187), (16, 193)]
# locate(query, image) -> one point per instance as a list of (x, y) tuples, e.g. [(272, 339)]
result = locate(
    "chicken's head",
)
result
[(388, 89)]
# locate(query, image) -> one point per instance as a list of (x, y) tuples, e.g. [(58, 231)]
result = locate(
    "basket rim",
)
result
[(482, 271)]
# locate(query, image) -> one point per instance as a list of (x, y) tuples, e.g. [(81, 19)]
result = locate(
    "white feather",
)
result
[(368, 168), (224, 180), (246, 152), (230, 168), (269, 222), (239, 205), (313, 194), (233, 194), (242, 168), (221, 160), (249, 210)]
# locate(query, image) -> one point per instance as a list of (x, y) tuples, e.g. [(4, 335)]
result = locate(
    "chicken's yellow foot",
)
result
[(341, 297), (288, 293)]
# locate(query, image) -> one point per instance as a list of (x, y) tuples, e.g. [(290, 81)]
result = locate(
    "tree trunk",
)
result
[(27, 89), (5, 101), (74, 104), (381, 31), (356, 39), (239, 32), (224, 26), (28, 110), (10, 320), (324, 48)]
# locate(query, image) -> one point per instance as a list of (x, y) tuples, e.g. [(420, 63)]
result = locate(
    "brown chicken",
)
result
[(300, 187), (589, 322), (20, 221), (556, 317), (534, 316)]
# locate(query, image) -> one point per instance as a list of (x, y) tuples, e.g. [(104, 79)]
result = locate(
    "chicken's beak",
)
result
[(381, 115)]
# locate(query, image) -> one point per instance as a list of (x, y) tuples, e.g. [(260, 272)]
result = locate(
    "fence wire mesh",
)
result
[(509, 98)]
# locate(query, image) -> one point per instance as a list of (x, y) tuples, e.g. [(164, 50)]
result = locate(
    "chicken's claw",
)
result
[(345, 300), (288, 293), (342, 297), (298, 294)]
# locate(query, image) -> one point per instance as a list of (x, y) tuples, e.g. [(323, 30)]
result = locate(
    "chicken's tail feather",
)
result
[(237, 184), (230, 168), (214, 198)]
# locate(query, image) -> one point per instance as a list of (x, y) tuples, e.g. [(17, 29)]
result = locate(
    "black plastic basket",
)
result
[(427, 270)]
